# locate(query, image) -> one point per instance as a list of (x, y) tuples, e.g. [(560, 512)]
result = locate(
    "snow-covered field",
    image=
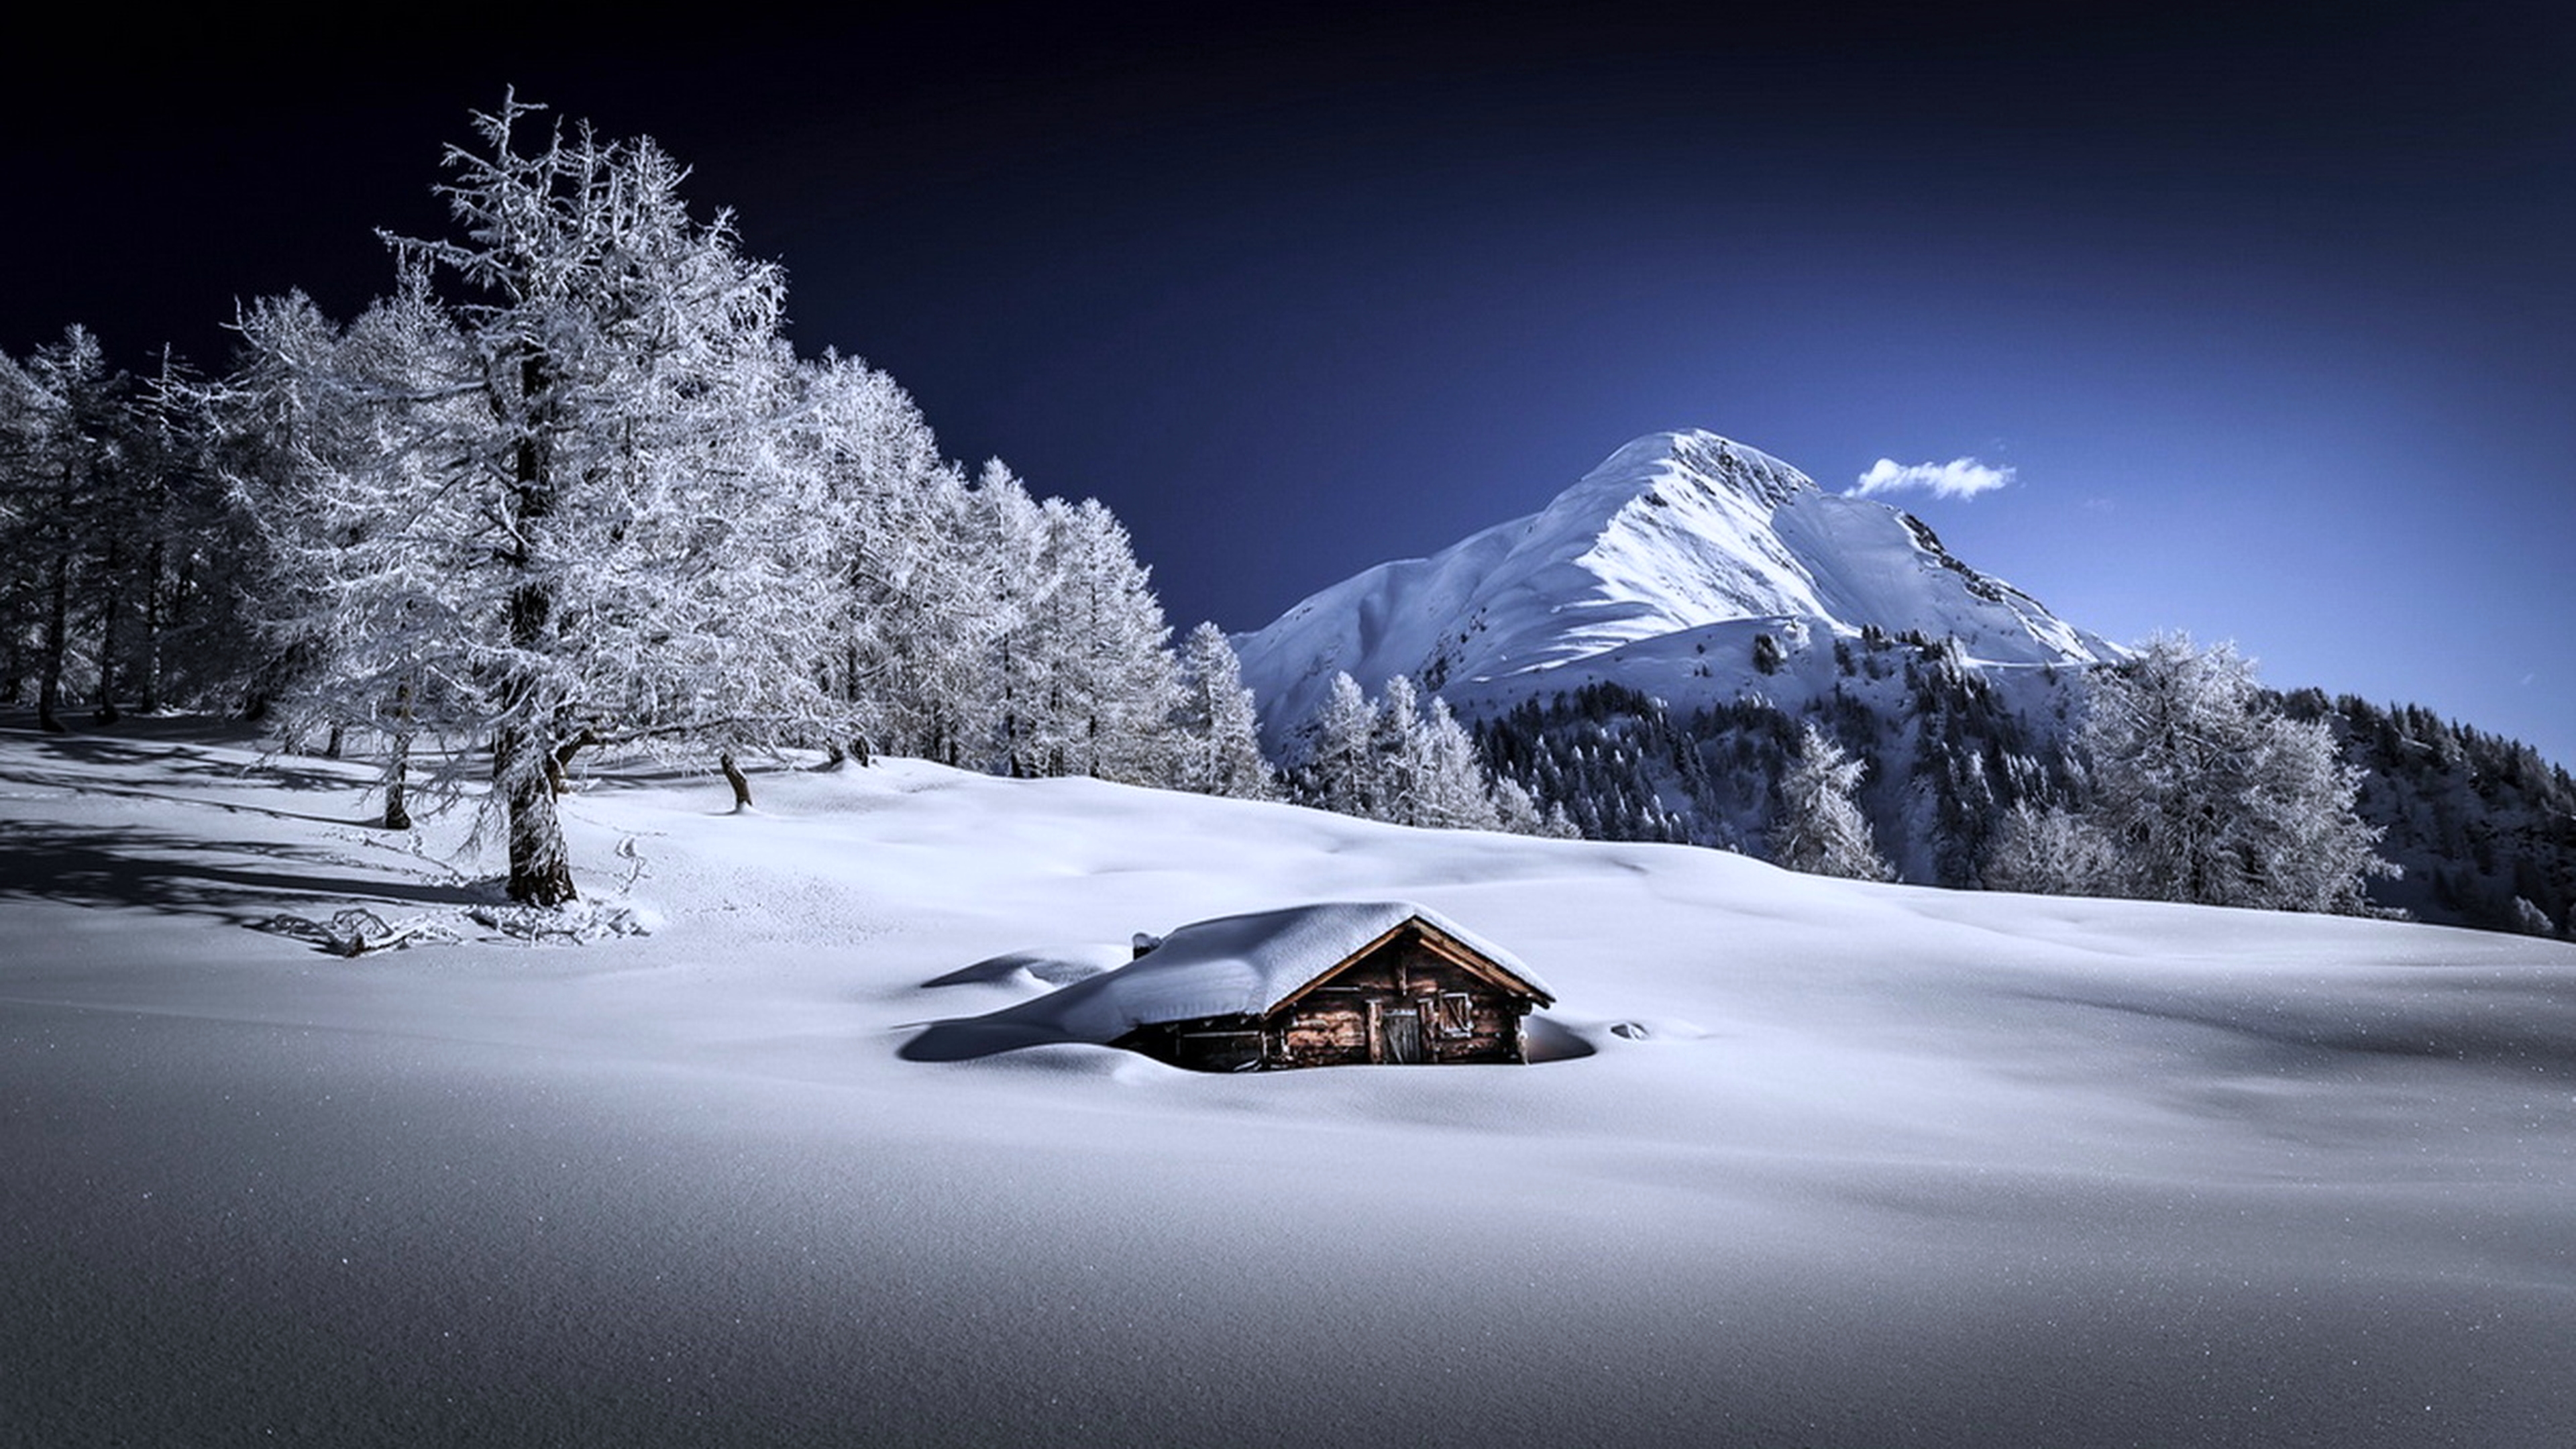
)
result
[(1843, 1164)]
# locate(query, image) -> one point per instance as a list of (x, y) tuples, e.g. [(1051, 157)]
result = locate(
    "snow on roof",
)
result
[(1238, 966)]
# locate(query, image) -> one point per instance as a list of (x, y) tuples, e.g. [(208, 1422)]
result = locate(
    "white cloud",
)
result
[(1958, 478)]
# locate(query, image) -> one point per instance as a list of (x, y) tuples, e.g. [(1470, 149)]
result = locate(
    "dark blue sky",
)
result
[(2267, 308)]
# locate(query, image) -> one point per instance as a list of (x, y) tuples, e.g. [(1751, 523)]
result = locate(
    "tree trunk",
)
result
[(148, 688), (398, 784), (398, 765), (540, 873), (49, 677), (734, 777), (111, 624), (525, 770)]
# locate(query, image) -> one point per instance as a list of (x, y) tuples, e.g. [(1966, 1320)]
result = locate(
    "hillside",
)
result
[(1822, 1163), (1641, 653)]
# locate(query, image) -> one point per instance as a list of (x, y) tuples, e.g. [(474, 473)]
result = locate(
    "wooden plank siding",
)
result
[(1464, 1009)]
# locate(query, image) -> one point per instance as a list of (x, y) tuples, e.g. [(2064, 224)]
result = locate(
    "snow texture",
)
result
[(1846, 1164), (1674, 532)]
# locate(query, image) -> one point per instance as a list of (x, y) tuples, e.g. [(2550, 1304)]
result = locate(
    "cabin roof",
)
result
[(1246, 965)]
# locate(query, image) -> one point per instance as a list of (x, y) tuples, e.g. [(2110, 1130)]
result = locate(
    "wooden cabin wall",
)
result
[(1321, 1031), (1331, 1025)]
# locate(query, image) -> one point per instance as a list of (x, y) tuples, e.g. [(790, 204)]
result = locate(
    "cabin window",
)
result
[(1456, 1014)]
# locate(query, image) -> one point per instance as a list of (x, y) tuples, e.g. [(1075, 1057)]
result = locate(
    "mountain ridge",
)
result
[(1642, 653), (1675, 533)]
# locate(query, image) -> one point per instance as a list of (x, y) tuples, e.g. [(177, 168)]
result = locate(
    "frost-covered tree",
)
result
[(70, 520), (886, 496), (2209, 793), (1819, 827), (1396, 761), (118, 557), (1340, 771), (1111, 683), (1451, 790), (1218, 726), (185, 643), (356, 598), (1519, 812), (1396, 748), (2531, 920), (563, 510), (2050, 851), (1010, 728), (924, 618), (21, 558)]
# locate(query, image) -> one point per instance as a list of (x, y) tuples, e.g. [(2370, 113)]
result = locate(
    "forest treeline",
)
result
[(565, 487), (2174, 776)]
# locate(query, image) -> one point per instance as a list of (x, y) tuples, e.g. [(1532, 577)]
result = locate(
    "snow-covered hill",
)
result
[(1821, 1163), (1676, 541), (1639, 652)]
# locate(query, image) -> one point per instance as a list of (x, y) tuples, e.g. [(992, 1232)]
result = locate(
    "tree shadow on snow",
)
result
[(179, 755), (179, 875), (179, 728), (77, 756)]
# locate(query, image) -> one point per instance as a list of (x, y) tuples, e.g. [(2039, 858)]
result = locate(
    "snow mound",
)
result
[(357, 931), (576, 922), (1036, 968), (1240, 965)]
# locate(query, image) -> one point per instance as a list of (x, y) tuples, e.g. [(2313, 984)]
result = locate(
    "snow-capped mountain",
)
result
[(1640, 655), (1657, 570)]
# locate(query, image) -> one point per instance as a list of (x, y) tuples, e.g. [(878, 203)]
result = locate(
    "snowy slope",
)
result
[(1822, 1163), (1672, 533)]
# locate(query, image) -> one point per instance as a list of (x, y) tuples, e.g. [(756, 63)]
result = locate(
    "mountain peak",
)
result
[(1696, 459), (1683, 468), (1628, 572)]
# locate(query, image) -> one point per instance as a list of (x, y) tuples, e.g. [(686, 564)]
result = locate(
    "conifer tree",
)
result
[(1451, 789), (1819, 827), (1218, 726), (70, 526), (1120, 683), (1340, 772), (1396, 746)]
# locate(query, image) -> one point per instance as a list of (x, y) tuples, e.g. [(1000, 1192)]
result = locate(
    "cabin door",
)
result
[(1399, 1034)]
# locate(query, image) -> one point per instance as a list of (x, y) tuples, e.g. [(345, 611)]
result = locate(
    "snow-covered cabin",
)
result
[(1341, 982)]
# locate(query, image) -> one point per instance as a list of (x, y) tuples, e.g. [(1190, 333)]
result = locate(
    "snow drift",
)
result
[(1239, 965)]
